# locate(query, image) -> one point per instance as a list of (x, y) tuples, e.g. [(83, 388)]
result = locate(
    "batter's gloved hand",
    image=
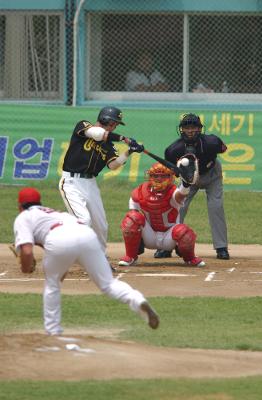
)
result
[(134, 147)]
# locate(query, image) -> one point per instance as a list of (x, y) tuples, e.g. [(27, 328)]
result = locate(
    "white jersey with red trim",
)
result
[(33, 225), (66, 242), (160, 208)]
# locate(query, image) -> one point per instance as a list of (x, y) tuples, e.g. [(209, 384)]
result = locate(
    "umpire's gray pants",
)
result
[(212, 183)]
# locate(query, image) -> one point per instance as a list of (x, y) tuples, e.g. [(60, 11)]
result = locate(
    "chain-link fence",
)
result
[(31, 55), (127, 52), (189, 52)]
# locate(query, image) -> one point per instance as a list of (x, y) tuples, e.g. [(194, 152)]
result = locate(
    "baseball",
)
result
[(185, 162)]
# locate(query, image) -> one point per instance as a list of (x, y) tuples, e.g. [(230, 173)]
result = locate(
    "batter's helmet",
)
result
[(187, 121), (108, 114)]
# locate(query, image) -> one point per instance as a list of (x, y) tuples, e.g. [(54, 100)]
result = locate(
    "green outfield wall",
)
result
[(33, 141)]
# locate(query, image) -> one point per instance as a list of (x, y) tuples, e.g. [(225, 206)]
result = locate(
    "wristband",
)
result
[(122, 159), (114, 137), (184, 190)]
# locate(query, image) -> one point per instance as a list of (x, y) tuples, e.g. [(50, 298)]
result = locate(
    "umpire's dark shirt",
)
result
[(206, 149)]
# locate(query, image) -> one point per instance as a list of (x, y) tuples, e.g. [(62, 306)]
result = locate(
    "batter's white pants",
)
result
[(82, 198), (77, 243)]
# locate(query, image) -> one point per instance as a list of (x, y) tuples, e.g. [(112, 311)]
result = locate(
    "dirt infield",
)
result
[(100, 354)]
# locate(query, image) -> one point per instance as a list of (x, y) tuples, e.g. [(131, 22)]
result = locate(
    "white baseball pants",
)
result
[(76, 243)]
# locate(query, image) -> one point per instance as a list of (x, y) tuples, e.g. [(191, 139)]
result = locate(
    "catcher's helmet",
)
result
[(108, 114), (190, 120), (159, 177)]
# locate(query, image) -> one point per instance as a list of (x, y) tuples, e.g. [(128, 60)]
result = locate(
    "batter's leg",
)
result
[(96, 209), (74, 200)]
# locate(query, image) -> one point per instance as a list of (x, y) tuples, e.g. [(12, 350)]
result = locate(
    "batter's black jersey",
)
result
[(87, 155), (206, 149)]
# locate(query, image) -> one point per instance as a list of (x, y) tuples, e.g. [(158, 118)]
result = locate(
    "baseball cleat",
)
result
[(151, 315), (127, 261), (163, 254), (222, 253), (196, 262)]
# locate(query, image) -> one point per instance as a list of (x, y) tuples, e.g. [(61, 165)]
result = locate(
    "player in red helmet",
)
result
[(153, 210)]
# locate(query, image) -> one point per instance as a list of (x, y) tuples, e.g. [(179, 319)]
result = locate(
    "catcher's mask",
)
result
[(190, 128), (159, 177), (108, 114)]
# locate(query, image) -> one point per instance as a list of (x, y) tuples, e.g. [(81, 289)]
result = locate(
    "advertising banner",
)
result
[(34, 139)]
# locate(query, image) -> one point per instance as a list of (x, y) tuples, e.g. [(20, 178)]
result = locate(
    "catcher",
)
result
[(152, 217)]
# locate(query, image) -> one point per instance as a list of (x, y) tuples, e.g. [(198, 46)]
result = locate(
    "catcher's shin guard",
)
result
[(186, 239), (131, 227)]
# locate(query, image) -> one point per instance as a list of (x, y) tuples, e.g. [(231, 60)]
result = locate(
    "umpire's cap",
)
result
[(29, 195), (108, 114)]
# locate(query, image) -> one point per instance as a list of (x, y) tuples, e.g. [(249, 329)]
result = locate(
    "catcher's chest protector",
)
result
[(156, 206)]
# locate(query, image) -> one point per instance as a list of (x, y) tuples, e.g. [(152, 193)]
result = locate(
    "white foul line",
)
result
[(164, 274), (38, 279), (210, 276)]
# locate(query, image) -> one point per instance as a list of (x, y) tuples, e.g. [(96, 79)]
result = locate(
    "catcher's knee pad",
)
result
[(132, 226), (133, 223), (185, 238)]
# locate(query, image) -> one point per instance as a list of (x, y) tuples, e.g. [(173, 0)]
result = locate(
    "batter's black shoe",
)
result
[(163, 254), (222, 253), (151, 315)]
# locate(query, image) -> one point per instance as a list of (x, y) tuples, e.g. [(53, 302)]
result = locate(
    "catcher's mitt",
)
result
[(189, 171)]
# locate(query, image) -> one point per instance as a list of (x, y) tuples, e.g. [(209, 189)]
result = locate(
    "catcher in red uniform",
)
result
[(152, 215)]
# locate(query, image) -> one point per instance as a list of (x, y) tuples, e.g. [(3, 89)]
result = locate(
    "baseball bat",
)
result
[(166, 163)]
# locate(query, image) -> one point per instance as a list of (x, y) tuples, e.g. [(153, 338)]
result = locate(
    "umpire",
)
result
[(206, 148)]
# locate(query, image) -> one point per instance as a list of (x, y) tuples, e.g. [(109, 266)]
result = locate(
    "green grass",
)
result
[(208, 323), (158, 389), (185, 322), (244, 218)]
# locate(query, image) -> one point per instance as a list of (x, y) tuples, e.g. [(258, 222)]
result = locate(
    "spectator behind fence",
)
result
[(202, 88), (251, 81), (145, 77)]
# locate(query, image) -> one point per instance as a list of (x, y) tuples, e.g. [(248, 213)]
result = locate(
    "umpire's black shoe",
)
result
[(222, 253), (163, 254)]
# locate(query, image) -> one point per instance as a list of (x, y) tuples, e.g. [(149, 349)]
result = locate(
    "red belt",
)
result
[(61, 223), (56, 225)]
